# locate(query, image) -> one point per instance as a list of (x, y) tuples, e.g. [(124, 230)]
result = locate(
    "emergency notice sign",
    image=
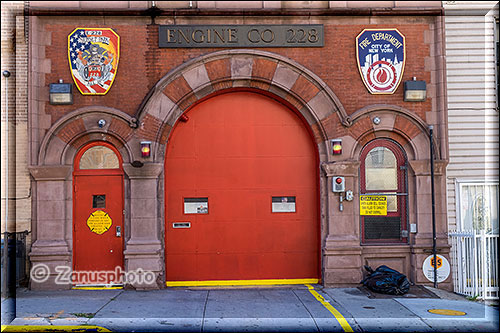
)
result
[(99, 222), (372, 205)]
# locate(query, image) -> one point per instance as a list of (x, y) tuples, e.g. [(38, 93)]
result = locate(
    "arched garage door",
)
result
[(241, 193)]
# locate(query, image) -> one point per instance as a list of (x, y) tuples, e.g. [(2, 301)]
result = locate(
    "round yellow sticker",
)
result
[(99, 222)]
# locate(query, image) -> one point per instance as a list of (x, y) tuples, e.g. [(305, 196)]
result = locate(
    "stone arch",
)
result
[(79, 127), (397, 123), (215, 72)]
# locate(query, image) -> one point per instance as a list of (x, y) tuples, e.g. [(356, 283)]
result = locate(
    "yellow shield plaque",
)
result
[(99, 222)]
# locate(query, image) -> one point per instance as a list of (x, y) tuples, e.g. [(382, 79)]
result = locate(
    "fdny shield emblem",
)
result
[(381, 59), (93, 59)]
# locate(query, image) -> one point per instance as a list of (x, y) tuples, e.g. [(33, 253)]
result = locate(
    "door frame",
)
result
[(95, 172), (402, 189)]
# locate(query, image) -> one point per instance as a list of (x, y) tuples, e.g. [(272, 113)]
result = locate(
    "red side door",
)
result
[(98, 225)]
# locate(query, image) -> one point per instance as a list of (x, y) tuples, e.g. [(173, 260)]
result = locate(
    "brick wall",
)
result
[(142, 63)]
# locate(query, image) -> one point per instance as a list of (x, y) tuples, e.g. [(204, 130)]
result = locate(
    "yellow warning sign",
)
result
[(99, 222), (373, 205)]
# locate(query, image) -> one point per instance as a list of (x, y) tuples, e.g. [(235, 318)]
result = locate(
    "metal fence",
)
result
[(13, 258), (474, 261)]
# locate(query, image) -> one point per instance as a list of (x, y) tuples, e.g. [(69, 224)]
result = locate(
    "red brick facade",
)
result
[(154, 86), (142, 64)]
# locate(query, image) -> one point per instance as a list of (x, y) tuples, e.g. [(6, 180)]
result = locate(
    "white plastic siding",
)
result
[(472, 117)]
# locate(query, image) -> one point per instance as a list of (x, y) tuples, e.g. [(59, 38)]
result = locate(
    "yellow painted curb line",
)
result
[(216, 283), (96, 288), (342, 321), (53, 328)]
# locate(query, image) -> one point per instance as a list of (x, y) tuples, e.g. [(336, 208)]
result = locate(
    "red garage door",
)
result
[(241, 193)]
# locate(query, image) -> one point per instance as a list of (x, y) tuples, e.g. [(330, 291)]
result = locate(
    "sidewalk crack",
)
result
[(310, 314), (421, 319), (204, 311), (110, 300)]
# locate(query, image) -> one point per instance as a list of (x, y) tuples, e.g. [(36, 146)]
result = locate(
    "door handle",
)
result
[(118, 231)]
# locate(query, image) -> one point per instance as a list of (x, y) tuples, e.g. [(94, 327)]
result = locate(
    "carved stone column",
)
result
[(144, 247), (342, 250), (422, 246), (50, 247)]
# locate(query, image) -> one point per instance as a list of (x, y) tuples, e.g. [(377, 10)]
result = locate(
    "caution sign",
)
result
[(373, 205), (99, 222)]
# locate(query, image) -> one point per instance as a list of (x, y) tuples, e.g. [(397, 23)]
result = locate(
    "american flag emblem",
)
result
[(93, 55)]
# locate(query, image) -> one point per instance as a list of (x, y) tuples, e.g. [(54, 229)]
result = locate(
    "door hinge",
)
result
[(124, 212)]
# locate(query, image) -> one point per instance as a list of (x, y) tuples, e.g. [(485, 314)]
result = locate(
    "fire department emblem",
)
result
[(93, 59), (381, 59)]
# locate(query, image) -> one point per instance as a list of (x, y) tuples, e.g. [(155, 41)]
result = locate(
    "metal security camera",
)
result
[(101, 123), (6, 73)]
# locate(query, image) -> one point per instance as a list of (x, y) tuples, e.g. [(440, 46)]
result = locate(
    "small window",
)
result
[(99, 201), (478, 207), (381, 170), (99, 157)]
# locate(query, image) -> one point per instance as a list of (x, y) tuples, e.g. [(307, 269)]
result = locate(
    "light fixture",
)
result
[(415, 91), (336, 146), (61, 93), (145, 148), (376, 120)]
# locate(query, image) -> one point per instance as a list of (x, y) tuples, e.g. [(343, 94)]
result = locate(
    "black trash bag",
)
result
[(386, 280)]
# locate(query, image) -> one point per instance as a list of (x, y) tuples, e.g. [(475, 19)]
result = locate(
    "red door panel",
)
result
[(94, 250), (240, 149)]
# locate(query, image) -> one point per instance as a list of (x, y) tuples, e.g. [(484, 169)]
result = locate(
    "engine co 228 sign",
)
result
[(188, 36)]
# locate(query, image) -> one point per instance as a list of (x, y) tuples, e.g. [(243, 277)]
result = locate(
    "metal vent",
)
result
[(382, 227)]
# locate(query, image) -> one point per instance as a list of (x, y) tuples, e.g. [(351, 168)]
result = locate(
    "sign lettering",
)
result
[(186, 36), (373, 205), (99, 222)]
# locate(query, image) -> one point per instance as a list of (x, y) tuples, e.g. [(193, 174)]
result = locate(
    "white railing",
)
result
[(474, 262)]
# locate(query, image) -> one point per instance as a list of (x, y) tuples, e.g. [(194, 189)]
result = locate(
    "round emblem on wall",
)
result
[(99, 222), (382, 75), (442, 268)]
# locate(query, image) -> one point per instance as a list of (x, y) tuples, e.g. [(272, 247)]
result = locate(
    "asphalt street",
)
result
[(301, 308)]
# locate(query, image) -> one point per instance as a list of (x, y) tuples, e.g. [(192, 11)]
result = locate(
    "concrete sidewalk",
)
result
[(291, 309)]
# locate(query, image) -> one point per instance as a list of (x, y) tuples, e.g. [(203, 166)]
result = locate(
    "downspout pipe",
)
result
[(434, 252), (6, 75), (9, 237)]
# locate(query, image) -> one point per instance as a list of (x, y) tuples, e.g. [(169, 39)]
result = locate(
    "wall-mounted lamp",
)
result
[(145, 148), (61, 93), (336, 146), (415, 91)]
